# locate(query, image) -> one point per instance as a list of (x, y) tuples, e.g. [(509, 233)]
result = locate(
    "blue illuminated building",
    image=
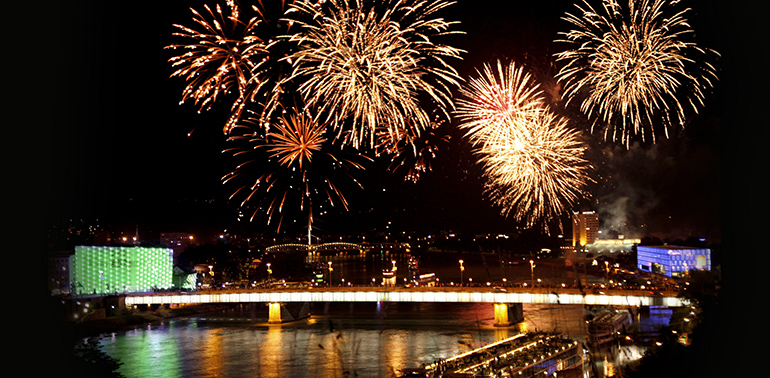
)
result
[(672, 261)]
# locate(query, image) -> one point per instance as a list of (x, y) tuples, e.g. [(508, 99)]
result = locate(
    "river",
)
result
[(338, 340)]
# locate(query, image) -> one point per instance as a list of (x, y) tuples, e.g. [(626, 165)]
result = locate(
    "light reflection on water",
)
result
[(361, 339), (343, 339)]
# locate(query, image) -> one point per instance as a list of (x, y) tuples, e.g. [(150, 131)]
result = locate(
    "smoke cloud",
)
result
[(623, 212), (625, 205)]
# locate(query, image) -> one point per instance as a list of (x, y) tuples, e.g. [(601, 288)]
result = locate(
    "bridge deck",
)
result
[(425, 294)]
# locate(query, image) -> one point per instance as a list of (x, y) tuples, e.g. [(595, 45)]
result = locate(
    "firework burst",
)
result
[(630, 67), (292, 169), (365, 66), (496, 99), (534, 165), (536, 169), (228, 57)]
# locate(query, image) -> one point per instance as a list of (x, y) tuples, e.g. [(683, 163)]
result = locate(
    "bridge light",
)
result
[(462, 269)]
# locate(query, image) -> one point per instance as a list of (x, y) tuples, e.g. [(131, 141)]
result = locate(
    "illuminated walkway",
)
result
[(524, 355)]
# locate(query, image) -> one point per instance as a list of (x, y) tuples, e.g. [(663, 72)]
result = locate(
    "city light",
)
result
[(360, 121), (532, 271)]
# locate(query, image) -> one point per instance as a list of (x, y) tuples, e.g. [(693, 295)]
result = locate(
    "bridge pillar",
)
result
[(274, 313), (287, 312), (508, 313)]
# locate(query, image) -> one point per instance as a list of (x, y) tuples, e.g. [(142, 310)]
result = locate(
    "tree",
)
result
[(90, 361)]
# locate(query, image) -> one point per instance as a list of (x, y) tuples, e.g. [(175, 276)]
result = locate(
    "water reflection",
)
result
[(154, 351), (339, 340), (270, 353), (212, 359), (344, 339)]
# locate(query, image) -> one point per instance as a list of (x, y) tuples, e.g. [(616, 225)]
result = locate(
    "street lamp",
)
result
[(269, 272), (330, 273), (462, 268), (532, 271)]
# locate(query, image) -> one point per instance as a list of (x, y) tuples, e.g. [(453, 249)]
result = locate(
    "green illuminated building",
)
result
[(109, 270)]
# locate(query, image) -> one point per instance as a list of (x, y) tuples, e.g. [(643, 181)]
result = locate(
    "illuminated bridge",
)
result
[(507, 304), (296, 247), (332, 246)]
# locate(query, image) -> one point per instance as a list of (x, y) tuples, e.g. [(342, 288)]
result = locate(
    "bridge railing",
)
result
[(395, 294)]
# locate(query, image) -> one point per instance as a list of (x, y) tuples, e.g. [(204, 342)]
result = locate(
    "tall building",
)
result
[(107, 270), (585, 228), (59, 272)]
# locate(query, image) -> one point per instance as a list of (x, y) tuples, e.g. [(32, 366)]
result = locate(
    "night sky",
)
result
[(116, 144)]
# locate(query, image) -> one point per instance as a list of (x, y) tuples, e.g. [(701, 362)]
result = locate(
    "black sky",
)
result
[(116, 143)]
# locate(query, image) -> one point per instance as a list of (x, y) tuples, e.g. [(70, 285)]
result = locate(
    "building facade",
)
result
[(611, 246), (110, 270), (59, 273), (585, 228), (672, 261)]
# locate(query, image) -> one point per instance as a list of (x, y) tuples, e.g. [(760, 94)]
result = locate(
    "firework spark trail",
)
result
[(294, 165), (412, 153), (364, 67), (227, 56), (533, 162), (630, 67)]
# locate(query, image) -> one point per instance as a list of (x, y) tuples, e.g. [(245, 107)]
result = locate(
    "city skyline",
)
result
[(124, 143)]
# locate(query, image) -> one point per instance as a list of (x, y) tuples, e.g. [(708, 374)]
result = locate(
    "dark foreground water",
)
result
[(339, 340)]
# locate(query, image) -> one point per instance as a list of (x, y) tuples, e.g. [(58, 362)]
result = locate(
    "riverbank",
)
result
[(97, 327)]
